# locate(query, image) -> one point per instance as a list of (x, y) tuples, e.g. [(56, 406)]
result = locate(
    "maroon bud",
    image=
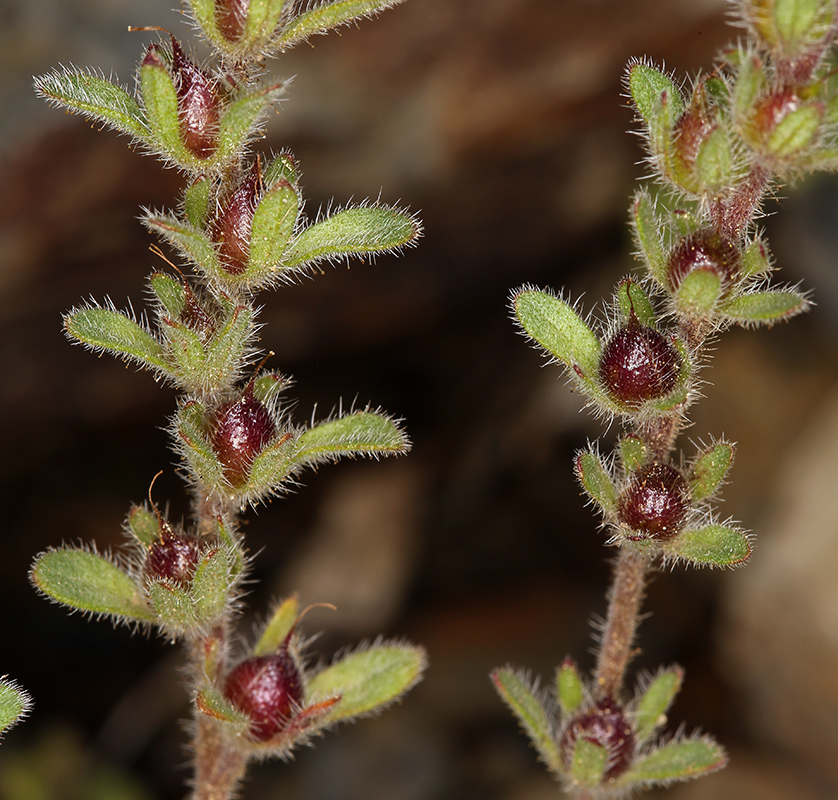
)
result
[(231, 228), (197, 104), (693, 128), (638, 364), (173, 557), (230, 17), (267, 689), (241, 431), (603, 724), (655, 502), (151, 59), (773, 108), (706, 249), (195, 316)]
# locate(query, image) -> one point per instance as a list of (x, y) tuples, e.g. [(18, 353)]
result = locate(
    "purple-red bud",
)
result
[(173, 557), (267, 689), (241, 430), (232, 226), (603, 724), (655, 502), (692, 129), (638, 364), (230, 17), (705, 249), (197, 104), (195, 316)]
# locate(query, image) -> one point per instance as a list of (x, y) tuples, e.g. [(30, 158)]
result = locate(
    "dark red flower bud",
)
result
[(603, 724), (267, 689), (655, 502), (173, 557), (230, 17), (693, 128), (638, 364), (706, 249), (232, 226), (197, 104), (195, 316), (241, 431)]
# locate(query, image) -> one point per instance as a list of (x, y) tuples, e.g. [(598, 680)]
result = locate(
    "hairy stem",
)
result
[(219, 764), (624, 599)]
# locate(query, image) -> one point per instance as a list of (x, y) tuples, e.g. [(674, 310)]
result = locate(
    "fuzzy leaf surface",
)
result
[(712, 545), (194, 244), (361, 433), (596, 481), (14, 704), (273, 226), (143, 525), (352, 232), (647, 228), (633, 452), (368, 679), (762, 308), (588, 763), (111, 330), (554, 325), (94, 97), (522, 700), (88, 582), (328, 15), (650, 713), (677, 761), (241, 118)]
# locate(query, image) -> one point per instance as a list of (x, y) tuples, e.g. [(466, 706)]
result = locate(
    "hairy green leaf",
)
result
[(709, 470), (94, 97), (676, 761), (650, 712), (764, 308), (89, 582), (328, 15), (360, 433), (368, 679), (596, 480), (14, 703), (569, 688), (712, 545)]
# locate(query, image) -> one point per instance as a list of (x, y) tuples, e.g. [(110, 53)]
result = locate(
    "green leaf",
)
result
[(709, 470), (765, 308), (263, 18), (647, 226), (143, 525), (795, 131), (632, 298), (554, 325), (648, 87), (15, 704), (89, 582), (217, 364), (191, 242), (750, 81), (112, 330), (676, 761), (633, 451), (327, 15), (361, 433), (352, 232), (589, 762), (368, 679), (713, 545), (272, 228), (282, 168), (280, 624), (596, 480), (94, 97), (650, 713), (569, 688), (515, 690)]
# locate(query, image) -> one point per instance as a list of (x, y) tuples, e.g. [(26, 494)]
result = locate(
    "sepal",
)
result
[(764, 308), (570, 690), (712, 545), (709, 470), (679, 760), (596, 480), (650, 709)]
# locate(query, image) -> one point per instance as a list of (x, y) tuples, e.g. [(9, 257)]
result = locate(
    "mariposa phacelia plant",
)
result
[(767, 113), (239, 228)]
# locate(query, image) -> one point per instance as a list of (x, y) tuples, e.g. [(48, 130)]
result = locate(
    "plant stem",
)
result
[(219, 764), (624, 599)]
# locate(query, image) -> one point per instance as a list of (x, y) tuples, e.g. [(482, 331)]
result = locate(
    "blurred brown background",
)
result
[(503, 123)]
